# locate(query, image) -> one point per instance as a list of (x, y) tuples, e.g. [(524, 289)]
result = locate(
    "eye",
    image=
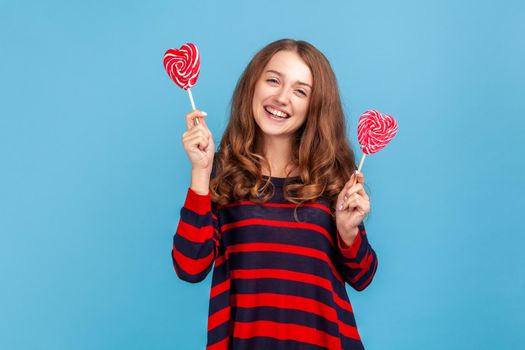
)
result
[(272, 81), (301, 92)]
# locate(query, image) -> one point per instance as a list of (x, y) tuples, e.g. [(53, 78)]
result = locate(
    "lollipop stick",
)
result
[(360, 166), (361, 162), (195, 120), (191, 99)]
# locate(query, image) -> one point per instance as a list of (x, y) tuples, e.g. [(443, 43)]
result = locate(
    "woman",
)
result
[(278, 209)]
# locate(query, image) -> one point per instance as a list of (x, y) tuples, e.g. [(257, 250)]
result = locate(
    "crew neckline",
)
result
[(280, 180)]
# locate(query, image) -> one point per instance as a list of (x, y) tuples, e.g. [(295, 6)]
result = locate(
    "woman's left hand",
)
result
[(352, 206)]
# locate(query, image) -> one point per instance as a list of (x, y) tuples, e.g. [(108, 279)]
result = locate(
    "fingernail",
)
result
[(341, 207), (204, 113), (357, 172)]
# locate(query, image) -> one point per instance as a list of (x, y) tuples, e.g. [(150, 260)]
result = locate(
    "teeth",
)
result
[(276, 112)]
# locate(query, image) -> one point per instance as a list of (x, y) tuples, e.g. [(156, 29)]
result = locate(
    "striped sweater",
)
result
[(277, 283)]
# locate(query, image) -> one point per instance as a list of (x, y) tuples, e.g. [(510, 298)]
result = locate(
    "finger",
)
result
[(360, 177), (344, 189), (357, 188), (195, 131), (202, 126), (357, 176), (340, 198), (361, 180), (191, 116), (208, 131), (357, 202), (350, 201), (363, 206), (197, 141)]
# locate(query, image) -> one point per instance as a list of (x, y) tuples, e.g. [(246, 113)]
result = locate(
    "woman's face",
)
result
[(282, 95)]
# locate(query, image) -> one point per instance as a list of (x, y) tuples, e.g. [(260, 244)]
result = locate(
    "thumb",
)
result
[(203, 122)]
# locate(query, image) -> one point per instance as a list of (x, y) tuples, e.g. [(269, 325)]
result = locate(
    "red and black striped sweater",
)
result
[(277, 283)]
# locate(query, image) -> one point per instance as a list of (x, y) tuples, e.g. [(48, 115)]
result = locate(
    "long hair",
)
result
[(320, 148)]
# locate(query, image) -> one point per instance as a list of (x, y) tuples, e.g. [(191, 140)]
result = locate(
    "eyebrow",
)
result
[(279, 74)]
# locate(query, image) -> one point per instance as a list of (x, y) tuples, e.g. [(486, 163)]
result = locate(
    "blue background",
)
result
[(93, 172)]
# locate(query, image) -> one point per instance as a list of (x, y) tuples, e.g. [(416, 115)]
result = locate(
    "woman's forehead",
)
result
[(289, 65)]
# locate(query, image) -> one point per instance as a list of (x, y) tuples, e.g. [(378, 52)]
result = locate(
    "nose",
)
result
[(282, 96)]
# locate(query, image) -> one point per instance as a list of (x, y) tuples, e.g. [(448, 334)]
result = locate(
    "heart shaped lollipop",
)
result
[(374, 131), (183, 65)]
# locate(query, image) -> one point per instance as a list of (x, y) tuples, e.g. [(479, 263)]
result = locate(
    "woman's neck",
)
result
[(277, 152)]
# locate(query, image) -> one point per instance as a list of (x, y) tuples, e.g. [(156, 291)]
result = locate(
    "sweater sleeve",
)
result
[(358, 262), (197, 239)]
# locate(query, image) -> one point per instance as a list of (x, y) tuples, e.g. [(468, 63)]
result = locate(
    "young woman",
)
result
[(278, 209)]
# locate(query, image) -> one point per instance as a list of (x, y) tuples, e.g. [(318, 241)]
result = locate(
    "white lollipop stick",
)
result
[(195, 120), (361, 162), (360, 166)]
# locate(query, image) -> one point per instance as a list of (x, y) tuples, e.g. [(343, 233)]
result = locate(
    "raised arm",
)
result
[(197, 239), (357, 262)]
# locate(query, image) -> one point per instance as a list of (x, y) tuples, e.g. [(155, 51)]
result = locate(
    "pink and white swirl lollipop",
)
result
[(183, 67), (374, 131)]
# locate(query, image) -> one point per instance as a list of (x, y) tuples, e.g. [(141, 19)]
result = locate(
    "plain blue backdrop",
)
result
[(93, 172)]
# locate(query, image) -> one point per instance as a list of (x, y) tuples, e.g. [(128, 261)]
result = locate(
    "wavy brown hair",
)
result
[(320, 151)]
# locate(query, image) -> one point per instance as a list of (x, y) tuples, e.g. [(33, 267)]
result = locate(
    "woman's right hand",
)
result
[(198, 142)]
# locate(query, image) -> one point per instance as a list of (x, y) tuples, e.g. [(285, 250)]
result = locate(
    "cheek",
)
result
[(303, 107), (259, 90), (257, 98)]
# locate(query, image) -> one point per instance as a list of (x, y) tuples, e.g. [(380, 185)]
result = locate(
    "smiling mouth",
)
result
[(276, 113)]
